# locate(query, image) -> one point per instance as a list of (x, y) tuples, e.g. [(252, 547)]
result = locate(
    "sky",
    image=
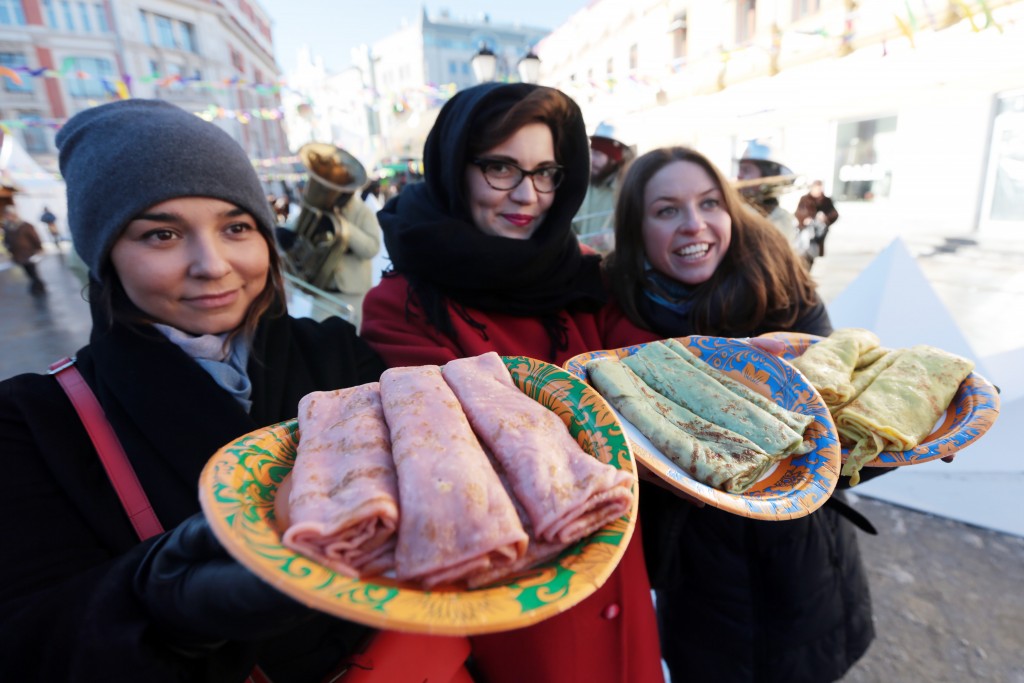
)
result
[(331, 28)]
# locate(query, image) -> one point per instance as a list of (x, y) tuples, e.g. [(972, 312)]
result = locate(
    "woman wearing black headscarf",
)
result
[(484, 259)]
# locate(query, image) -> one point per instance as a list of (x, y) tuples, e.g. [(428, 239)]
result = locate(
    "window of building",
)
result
[(101, 18), (69, 17), (147, 35), (97, 71), (453, 68), (33, 134), (188, 36), (802, 8), (746, 12), (634, 57), (50, 13), (610, 67), (164, 31), (12, 13), (83, 12), (679, 35), (12, 60)]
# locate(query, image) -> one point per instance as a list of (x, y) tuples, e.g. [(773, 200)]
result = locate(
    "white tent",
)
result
[(35, 187), (894, 299)]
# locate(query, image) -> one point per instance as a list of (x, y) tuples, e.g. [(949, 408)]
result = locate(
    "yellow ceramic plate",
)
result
[(238, 485), (797, 485), (974, 408)]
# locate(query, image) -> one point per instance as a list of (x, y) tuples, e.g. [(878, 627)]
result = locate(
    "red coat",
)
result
[(612, 635)]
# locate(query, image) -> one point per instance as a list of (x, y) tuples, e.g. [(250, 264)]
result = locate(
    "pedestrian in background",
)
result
[(190, 349), (817, 213), (608, 157), (484, 259), (50, 221), (23, 243), (739, 600)]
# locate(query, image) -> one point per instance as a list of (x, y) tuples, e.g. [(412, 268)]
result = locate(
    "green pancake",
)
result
[(798, 422), (829, 364), (707, 452), (901, 406), (666, 373)]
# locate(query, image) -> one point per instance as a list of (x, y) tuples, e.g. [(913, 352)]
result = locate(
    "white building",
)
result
[(917, 105)]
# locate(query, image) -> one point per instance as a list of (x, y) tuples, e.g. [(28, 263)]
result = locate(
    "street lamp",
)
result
[(485, 64), (529, 68)]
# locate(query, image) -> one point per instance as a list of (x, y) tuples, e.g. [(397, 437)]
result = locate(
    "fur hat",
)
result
[(120, 158)]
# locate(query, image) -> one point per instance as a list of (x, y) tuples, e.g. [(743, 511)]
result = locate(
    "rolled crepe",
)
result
[(457, 520), (709, 453), (342, 493), (661, 368), (798, 422), (901, 406), (829, 364), (566, 492)]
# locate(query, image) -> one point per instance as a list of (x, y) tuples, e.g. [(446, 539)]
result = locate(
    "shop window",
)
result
[(864, 157), (12, 60)]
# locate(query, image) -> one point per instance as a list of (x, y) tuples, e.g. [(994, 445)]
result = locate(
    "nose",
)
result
[(524, 192), (209, 260), (690, 220)]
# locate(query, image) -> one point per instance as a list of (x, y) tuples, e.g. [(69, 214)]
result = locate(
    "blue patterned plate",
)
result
[(797, 485), (974, 409)]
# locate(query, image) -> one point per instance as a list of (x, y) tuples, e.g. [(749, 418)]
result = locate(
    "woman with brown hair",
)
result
[(484, 259), (738, 599)]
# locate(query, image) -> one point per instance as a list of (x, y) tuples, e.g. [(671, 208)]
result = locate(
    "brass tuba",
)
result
[(334, 175)]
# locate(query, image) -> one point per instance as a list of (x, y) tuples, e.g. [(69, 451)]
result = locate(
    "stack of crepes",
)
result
[(880, 399), (718, 430), (401, 480)]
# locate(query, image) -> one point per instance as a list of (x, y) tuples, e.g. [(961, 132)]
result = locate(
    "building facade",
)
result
[(58, 57), (915, 106)]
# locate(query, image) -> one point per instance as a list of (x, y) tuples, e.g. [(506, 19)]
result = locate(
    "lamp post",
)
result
[(529, 68), (485, 64)]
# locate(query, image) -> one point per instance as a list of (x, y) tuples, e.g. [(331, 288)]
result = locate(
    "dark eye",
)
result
[(666, 211), (548, 173), (498, 169), (240, 228), (159, 235)]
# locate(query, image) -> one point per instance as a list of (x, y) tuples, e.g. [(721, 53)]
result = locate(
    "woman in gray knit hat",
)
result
[(190, 348)]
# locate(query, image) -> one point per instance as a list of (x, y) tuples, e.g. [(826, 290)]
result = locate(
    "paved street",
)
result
[(948, 601)]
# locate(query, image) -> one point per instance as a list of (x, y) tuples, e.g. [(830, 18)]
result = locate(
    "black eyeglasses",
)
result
[(504, 175)]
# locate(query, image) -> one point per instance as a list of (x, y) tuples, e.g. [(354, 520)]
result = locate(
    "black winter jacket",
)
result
[(69, 612), (749, 601)]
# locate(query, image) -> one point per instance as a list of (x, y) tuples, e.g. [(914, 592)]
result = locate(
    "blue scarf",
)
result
[(227, 368), (667, 292)]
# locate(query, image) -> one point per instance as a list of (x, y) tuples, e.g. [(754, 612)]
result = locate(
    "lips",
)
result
[(213, 300), (518, 219)]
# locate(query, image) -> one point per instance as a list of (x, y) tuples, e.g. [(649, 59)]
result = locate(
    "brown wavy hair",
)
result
[(761, 282)]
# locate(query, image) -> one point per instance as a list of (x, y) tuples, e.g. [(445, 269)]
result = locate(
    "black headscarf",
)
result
[(432, 240)]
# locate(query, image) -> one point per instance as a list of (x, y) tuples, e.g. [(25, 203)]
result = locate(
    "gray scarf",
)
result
[(227, 368)]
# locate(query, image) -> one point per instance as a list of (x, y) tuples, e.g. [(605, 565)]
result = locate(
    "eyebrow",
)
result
[(178, 218), (513, 160)]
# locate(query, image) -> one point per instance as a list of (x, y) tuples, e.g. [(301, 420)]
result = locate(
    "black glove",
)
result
[(197, 593)]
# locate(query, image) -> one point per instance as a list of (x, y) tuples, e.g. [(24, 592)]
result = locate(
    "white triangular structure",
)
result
[(894, 299)]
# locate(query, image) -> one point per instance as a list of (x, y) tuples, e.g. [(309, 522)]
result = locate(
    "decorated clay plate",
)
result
[(238, 485), (795, 486), (972, 411)]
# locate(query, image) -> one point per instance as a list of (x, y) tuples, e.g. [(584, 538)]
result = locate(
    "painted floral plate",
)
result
[(795, 486), (974, 409), (238, 485)]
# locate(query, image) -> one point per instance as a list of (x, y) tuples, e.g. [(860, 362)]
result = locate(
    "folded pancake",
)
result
[(868, 372), (709, 453), (342, 493), (663, 370), (901, 406), (829, 364), (457, 519), (798, 422), (536, 552), (566, 492)]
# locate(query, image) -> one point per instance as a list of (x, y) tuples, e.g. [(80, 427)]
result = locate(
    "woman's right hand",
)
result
[(199, 595)]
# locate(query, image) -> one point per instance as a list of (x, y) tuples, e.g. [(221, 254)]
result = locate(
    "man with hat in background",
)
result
[(762, 179), (594, 223)]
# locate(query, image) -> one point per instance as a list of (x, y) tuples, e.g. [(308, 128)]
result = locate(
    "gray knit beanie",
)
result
[(121, 158)]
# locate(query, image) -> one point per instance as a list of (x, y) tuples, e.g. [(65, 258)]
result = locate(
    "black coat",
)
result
[(746, 601), (69, 613)]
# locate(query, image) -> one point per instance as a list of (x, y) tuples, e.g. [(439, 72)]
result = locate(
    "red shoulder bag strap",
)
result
[(115, 461), (112, 455)]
